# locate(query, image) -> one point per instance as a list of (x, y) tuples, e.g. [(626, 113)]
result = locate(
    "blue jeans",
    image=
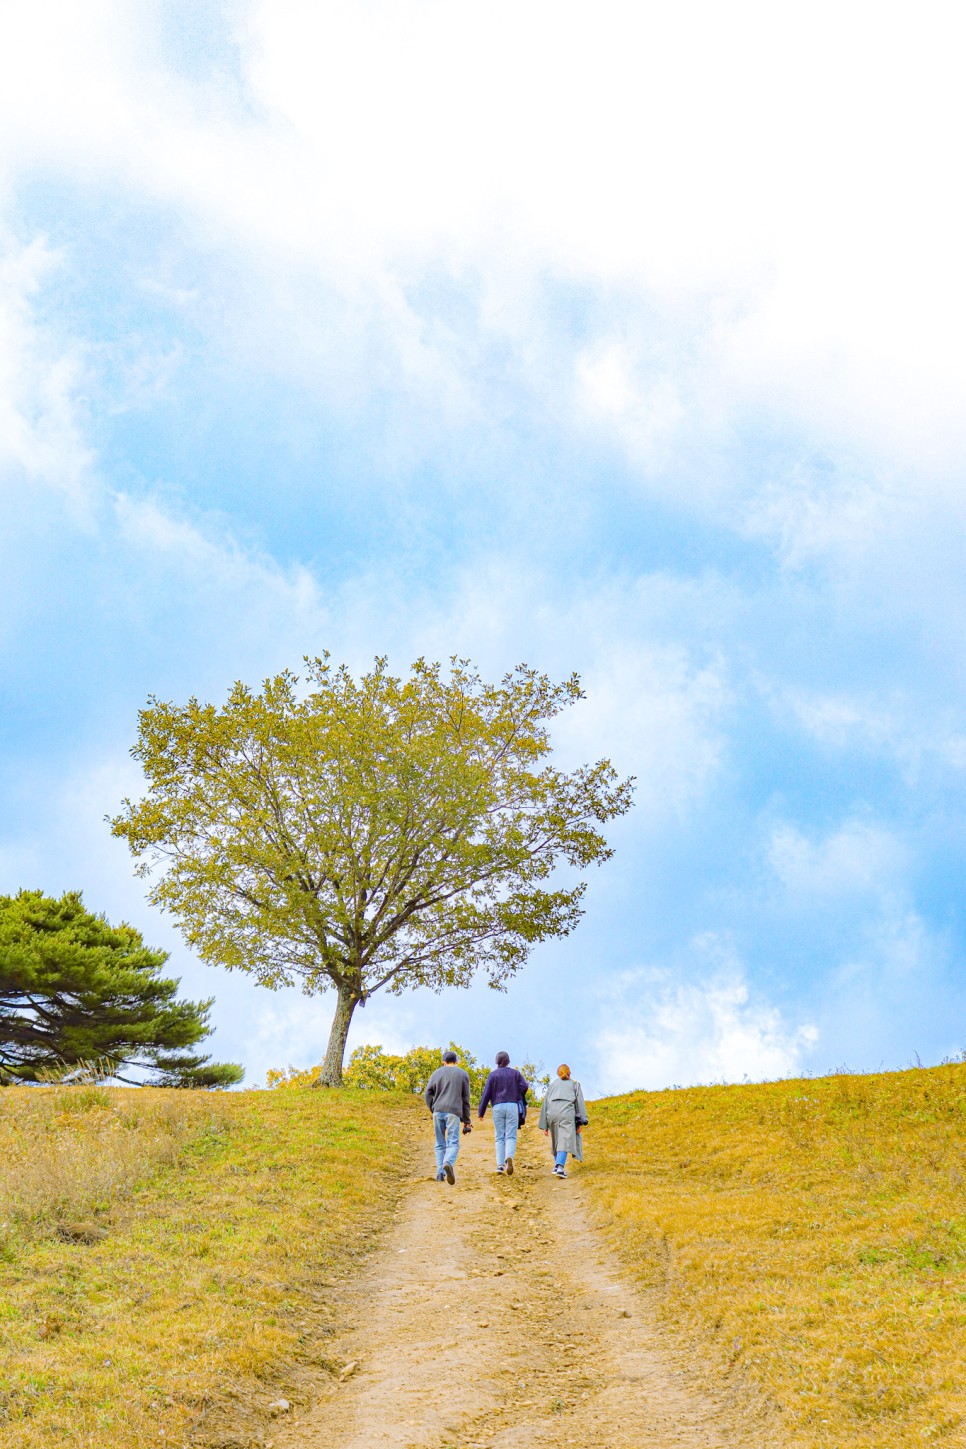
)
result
[(506, 1121), (560, 1159), (447, 1128)]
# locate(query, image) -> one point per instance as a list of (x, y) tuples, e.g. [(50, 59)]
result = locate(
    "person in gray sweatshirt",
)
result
[(448, 1098)]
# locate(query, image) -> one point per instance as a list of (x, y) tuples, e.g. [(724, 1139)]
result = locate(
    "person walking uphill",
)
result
[(563, 1114), (506, 1089), (448, 1098)]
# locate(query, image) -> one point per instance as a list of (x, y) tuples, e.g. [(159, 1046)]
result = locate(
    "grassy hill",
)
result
[(170, 1262), (810, 1237), (167, 1258)]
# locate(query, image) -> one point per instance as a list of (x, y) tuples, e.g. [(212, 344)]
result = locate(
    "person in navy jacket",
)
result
[(506, 1091)]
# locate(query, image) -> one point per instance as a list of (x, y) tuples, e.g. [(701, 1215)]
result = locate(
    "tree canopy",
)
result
[(370, 834), (75, 989)]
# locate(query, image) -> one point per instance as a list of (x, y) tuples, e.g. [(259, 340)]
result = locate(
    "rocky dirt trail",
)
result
[(494, 1315)]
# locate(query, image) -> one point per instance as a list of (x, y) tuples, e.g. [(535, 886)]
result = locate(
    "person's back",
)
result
[(504, 1084), (563, 1116), (448, 1090), (506, 1090), (561, 1098), (448, 1098)]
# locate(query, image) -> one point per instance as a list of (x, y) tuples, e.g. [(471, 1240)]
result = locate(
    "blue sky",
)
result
[(626, 341)]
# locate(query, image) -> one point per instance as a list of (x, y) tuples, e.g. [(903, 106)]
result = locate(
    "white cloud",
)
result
[(858, 858), (659, 710), (660, 1031), (290, 1029), (42, 444), (746, 177), (754, 180), (286, 1030), (204, 551), (67, 845), (897, 993), (837, 719), (644, 407), (658, 713), (882, 981), (898, 948), (809, 518), (902, 727)]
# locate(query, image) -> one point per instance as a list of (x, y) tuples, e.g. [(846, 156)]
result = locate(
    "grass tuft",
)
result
[(71, 1151)]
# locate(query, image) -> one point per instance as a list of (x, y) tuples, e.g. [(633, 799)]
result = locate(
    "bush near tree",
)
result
[(75, 990), (372, 1068)]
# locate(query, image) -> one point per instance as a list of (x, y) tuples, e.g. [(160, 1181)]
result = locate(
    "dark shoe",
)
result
[(499, 1171), (559, 1172), (450, 1174), (509, 1167), (441, 1176)]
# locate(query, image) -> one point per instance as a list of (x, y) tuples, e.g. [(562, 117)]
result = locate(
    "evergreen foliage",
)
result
[(75, 989)]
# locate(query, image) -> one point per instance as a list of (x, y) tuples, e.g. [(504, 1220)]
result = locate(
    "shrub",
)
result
[(372, 1068)]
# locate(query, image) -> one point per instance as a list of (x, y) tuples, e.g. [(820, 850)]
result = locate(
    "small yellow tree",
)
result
[(372, 1068)]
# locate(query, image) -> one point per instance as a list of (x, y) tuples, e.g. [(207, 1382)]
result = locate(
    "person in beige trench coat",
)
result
[(563, 1115)]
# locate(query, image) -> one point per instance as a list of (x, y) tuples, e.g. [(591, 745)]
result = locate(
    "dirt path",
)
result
[(494, 1315)]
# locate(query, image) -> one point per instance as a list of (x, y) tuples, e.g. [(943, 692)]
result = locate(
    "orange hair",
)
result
[(563, 1071)]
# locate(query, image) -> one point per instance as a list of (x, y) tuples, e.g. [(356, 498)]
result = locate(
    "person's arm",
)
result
[(431, 1087), (543, 1115), (523, 1088), (487, 1093), (581, 1106), (465, 1084)]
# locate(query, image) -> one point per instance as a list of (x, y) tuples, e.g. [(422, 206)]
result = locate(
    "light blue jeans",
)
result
[(447, 1128), (506, 1121)]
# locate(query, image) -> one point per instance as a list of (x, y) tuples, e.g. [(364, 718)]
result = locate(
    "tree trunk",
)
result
[(331, 1073)]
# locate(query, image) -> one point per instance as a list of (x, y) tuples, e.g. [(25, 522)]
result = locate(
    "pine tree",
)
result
[(74, 988)]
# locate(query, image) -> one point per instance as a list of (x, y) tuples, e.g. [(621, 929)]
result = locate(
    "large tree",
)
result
[(360, 835), (74, 988)]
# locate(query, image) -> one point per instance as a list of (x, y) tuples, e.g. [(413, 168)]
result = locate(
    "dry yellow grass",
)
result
[(810, 1238), (72, 1151), (228, 1220)]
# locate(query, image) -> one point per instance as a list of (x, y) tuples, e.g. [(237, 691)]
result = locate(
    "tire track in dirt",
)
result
[(494, 1315)]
